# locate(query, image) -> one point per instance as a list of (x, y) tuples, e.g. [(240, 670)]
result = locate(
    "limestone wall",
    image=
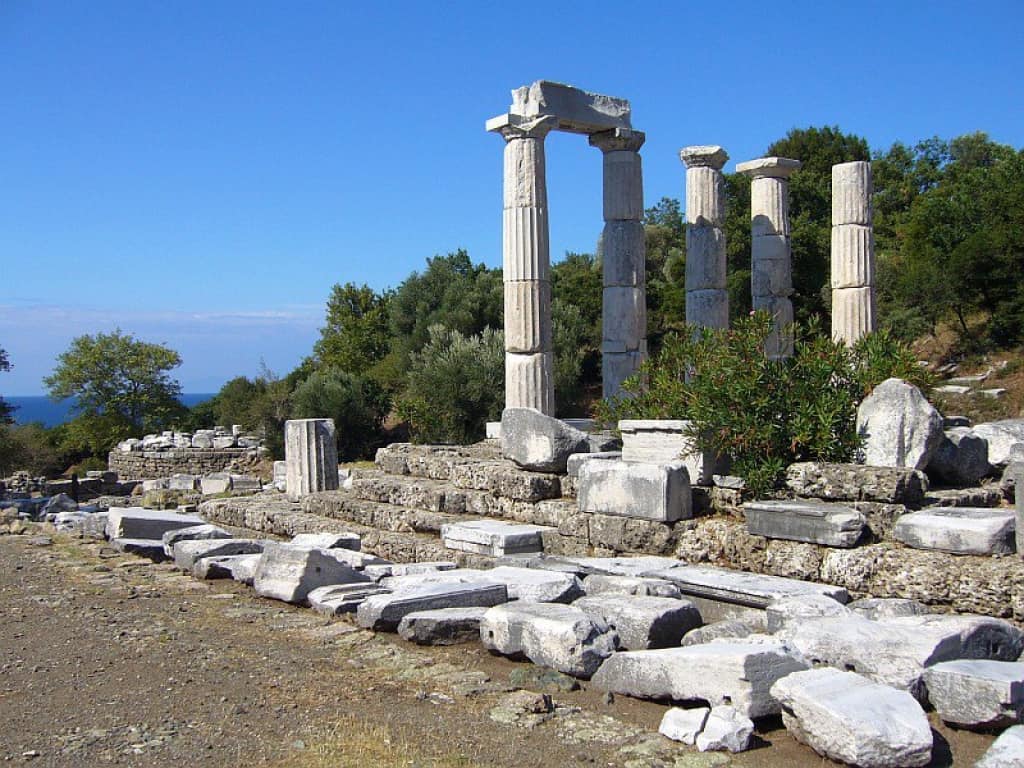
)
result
[(149, 465)]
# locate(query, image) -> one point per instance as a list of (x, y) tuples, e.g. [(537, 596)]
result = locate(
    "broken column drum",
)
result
[(853, 253), (771, 271), (624, 257), (707, 297), (311, 457), (536, 110)]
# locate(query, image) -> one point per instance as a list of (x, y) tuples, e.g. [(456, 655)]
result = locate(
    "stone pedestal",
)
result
[(311, 457), (707, 298), (771, 279), (853, 253), (526, 266), (624, 306)]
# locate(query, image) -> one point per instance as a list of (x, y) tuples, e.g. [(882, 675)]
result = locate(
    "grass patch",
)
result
[(351, 743)]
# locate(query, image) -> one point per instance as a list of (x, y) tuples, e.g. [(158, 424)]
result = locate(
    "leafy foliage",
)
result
[(356, 404), (455, 384), (6, 409), (355, 336), (762, 413)]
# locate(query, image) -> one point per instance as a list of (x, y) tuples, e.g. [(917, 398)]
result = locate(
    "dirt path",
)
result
[(108, 659)]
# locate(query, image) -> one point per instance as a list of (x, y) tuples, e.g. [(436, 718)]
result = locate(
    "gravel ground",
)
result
[(109, 659)]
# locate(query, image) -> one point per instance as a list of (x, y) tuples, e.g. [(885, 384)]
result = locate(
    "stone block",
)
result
[(737, 672), (851, 719), (853, 257), (577, 460), (887, 607), (734, 629), (624, 317), (187, 553), (961, 458), (529, 382), (851, 193), (390, 570), (1002, 437), (683, 724), (218, 482), (705, 258), (814, 522), (751, 590), (492, 537), (445, 626), (139, 523), (574, 109), (708, 309), (643, 622), (342, 540), (290, 573), (1005, 751), (196, 532), (311, 457), (645, 491), (960, 530), (223, 441), (623, 251), (725, 730), (241, 568), (383, 613), (855, 482), (788, 610), (599, 584), (538, 442), (527, 316), (561, 637), (664, 440), (771, 277), (895, 652), (977, 693), (338, 599), (151, 549), (901, 428), (181, 482)]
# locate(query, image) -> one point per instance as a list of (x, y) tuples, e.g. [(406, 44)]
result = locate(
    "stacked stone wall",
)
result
[(149, 465)]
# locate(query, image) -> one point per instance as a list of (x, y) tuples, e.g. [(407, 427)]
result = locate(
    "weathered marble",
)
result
[(311, 456)]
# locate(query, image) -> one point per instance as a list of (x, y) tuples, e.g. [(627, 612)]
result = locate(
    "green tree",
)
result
[(356, 404), (121, 385), (356, 334), (6, 409), (665, 241)]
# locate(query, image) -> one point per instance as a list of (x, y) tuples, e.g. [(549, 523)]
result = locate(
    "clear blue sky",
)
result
[(199, 173)]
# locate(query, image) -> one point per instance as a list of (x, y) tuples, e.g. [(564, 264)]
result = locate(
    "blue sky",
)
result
[(200, 173)]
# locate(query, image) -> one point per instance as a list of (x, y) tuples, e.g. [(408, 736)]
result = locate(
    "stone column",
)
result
[(624, 305), (526, 262), (311, 457), (771, 270), (707, 298), (853, 253)]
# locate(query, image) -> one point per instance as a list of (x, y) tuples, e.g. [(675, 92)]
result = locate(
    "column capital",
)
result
[(618, 140), (512, 126), (703, 156), (768, 168)]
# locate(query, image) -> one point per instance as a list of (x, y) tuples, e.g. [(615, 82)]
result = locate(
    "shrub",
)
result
[(357, 406), (762, 413), (455, 384)]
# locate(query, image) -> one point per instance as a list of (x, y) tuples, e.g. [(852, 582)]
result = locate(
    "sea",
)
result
[(51, 413)]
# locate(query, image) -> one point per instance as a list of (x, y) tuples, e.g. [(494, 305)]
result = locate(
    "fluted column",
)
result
[(707, 297), (624, 304), (311, 457), (853, 253), (771, 270), (526, 262)]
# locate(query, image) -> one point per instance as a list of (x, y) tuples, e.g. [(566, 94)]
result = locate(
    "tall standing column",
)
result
[(707, 297), (624, 304), (311, 457), (771, 270), (853, 253), (529, 379)]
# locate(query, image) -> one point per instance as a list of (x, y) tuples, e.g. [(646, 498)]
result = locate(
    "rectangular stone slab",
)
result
[(139, 523), (830, 525), (644, 491), (492, 537), (747, 589), (960, 530), (383, 613), (736, 672), (187, 553), (152, 549), (576, 110)]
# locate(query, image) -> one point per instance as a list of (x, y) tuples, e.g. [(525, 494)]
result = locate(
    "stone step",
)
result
[(959, 530), (751, 590), (345, 505), (813, 522)]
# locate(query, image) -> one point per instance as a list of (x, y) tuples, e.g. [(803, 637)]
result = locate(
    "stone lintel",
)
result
[(618, 140), (576, 110), (768, 167), (703, 156), (512, 126)]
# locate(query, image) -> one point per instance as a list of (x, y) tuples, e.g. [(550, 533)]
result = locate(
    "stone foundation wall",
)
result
[(149, 465)]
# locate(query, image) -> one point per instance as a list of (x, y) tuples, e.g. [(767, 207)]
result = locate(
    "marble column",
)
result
[(853, 253), (707, 297), (771, 270), (624, 254), (529, 376), (311, 457)]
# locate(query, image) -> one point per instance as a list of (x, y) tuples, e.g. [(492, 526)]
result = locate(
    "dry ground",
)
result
[(107, 659)]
